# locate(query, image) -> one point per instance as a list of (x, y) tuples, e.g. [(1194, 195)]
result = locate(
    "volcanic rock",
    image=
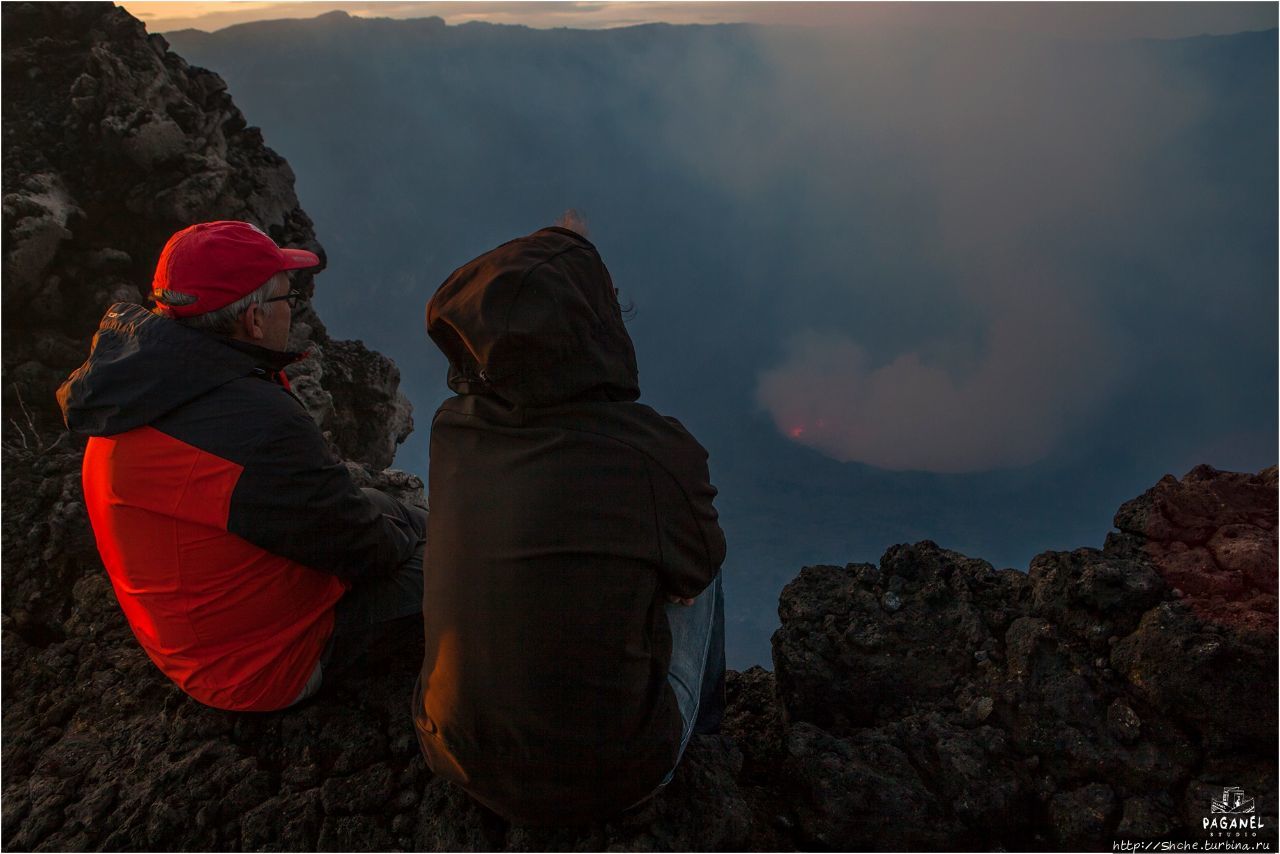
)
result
[(1082, 702), (111, 145)]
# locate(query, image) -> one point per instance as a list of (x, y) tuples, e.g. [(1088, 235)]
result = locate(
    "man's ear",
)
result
[(250, 323)]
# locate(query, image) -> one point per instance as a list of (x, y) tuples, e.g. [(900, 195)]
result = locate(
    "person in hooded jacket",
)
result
[(242, 554), (573, 610)]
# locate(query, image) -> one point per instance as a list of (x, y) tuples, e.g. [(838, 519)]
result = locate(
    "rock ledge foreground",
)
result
[(928, 703)]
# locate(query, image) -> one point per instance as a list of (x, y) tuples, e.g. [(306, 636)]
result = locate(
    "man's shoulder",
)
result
[(235, 418), (251, 398)]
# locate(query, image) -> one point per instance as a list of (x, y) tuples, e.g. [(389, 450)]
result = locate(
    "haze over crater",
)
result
[(977, 287)]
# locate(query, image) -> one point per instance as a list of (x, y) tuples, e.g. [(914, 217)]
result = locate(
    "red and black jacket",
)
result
[(228, 527)]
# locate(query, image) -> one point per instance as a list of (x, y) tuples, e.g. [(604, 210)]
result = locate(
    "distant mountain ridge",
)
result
[(329, 20)]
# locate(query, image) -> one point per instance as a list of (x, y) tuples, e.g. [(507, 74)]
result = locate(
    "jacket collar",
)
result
[(271, 361), (142, 366)]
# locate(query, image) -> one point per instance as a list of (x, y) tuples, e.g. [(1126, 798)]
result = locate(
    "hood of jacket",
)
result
[(535, 322), (142, 365)]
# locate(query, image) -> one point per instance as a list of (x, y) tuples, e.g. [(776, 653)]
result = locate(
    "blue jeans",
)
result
[(370, 605), (697, 669)]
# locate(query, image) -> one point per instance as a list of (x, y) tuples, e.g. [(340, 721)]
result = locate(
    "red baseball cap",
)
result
[(220, 262)]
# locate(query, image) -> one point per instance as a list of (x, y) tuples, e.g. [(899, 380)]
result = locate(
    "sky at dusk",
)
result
[(1075, 20)]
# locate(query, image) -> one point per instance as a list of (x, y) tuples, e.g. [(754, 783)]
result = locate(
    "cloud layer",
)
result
[(1114, 20), (1040, 372), (1021, 174)]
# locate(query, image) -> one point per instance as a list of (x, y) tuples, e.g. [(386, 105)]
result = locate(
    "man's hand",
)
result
[(677, 600)]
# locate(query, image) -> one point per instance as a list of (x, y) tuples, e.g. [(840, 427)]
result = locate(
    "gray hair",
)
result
[(221, 321)]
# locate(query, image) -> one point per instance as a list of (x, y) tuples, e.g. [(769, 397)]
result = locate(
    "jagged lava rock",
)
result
[(111, 143), (1091, 698), (910, 626), (1202, 654)]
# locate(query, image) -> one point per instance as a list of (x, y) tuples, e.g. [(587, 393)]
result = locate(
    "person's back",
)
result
[(234, 625), (564, 515), (246, 561)]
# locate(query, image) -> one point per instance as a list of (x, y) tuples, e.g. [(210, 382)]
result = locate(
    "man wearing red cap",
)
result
[(245, 559)]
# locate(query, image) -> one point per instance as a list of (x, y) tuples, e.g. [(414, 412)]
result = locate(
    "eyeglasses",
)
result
[(294, 297)]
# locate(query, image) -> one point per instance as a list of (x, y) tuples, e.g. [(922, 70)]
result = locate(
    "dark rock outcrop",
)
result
[(1103, 694), (930, 702), (112, 143)]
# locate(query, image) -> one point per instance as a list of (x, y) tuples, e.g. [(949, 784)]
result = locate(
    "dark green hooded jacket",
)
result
[(562, 513)]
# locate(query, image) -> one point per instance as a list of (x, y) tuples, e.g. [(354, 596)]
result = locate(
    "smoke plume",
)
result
[(1006, 176)]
